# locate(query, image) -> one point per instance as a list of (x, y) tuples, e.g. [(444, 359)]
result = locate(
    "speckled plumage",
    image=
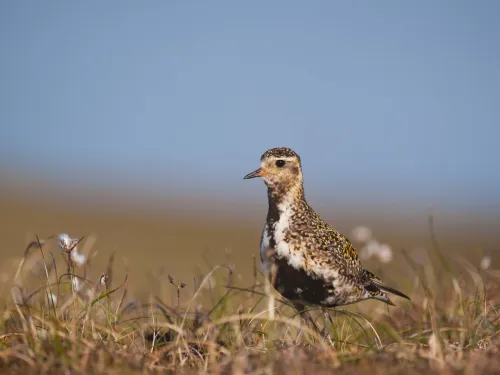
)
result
[(307, 261)]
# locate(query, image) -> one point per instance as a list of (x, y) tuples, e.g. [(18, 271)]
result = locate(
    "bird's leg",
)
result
[(328, 318), (270, 295), (304, 317), (300, 309), (270, 301)]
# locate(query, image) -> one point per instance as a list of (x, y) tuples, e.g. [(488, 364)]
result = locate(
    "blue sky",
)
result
[(380, 99)]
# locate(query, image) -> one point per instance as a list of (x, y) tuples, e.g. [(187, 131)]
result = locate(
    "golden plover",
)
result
[(307, 261)]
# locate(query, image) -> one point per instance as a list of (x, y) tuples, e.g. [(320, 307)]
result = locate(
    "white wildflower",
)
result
[(52, 299), (76, 284), (362, 233), (485, 262), (103, 280), (66, 243), (374, 248), (384, 253), (77, 259), (370, 249)]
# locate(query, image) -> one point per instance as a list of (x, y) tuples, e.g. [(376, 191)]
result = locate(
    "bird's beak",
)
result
[(257, 173)]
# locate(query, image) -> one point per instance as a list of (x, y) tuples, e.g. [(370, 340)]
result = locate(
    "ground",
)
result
[(165, 307)]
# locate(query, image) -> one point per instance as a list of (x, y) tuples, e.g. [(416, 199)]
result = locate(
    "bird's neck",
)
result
[(283, 198)]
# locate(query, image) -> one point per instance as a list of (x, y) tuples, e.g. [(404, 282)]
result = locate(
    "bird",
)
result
[(306, 260)]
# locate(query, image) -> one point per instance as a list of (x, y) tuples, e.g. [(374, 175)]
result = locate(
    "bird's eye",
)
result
[(280, 163)]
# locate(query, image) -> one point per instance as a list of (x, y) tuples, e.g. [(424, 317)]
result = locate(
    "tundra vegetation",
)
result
[(60, 314)]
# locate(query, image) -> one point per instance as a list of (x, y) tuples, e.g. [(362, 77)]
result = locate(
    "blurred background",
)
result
[(133, 123)]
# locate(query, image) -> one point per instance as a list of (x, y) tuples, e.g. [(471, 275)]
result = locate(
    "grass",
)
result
[(57, 318)]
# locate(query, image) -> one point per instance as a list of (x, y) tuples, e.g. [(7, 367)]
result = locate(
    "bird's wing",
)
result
[(341, 250), (330, 247)]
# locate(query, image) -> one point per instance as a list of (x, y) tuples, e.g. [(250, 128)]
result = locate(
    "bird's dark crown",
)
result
[(280, 152)]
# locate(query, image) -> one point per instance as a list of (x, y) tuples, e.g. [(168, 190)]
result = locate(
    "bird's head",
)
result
[(280, 169)]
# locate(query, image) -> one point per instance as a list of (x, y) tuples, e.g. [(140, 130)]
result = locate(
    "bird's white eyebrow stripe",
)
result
[(285, 158)]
